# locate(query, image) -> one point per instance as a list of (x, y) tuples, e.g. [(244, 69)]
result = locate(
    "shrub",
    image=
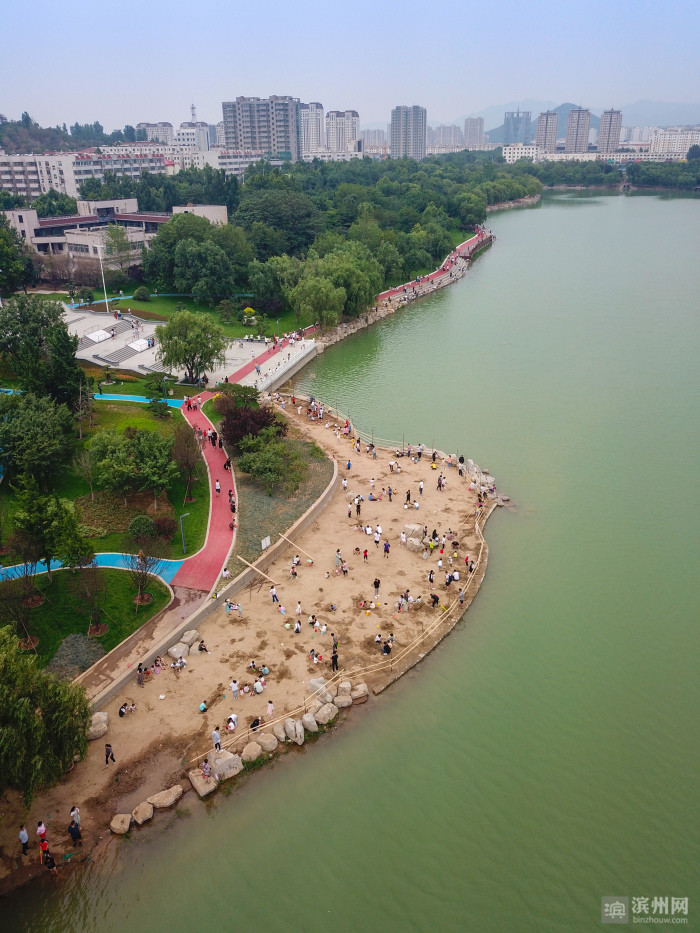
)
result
[(142, 526), (165, 527), (142, 294)]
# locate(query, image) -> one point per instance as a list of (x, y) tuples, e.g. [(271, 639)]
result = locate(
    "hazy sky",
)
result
[(122, 61)]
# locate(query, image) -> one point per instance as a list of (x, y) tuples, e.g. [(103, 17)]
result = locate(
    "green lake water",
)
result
[(547, 753)]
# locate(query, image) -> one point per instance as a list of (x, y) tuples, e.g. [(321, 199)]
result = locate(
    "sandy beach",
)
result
[(155, 746)]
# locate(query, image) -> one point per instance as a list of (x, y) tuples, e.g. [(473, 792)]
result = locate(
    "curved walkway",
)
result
[(463, 251)]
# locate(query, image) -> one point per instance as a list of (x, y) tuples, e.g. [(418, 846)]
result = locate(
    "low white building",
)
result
[(674, 144), (516, 151)]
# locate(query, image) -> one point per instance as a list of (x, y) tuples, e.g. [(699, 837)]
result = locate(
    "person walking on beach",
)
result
[(386, 549), (234, 689), (334, 660), (377, 583), (109, 754), (24, 839), (216, 738), (74, 832), (273, 594), (270, 709), (420, 487)]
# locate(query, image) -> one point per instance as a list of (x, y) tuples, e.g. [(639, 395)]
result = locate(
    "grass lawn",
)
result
[(161, 309), (107, 513), (65, 612)]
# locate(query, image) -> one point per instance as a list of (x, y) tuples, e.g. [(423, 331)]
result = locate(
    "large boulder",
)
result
[(120, 823), (267, 741), (143, 812), (413, 531), (343, 700), (251, 752), (316, 683), (314, 707), (189, 638), (279, 732), (344, 687), (289, 729), (180, 650), (228, 766), (327, 712), (202, 785), (414, 544), (299, 734), (360, 693), (309, 723), (326, 697), (166, 798), (98, 726)]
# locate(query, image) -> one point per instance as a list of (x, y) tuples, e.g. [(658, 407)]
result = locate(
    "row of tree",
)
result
[(26, 135)]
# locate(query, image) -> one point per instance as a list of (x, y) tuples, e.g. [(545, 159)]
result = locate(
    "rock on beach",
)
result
[(166, 798)]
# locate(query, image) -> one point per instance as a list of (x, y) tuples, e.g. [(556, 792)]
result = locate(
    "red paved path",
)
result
[(203, 569), (464, 249)]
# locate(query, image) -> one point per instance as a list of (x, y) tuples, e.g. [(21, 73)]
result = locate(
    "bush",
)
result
[(142, 294), (165, 527), (142, 526)]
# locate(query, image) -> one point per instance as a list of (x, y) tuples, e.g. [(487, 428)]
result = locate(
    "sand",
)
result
[(154, 746)]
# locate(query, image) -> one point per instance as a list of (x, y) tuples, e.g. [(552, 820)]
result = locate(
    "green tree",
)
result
[(13, 271), (118, 247), (152, 456), (693, 154), (43, 721), (49, 523), (318, 300), (114, 468), (35, 339), (202, 270), (35, 435), (54, 204), (192, 341), (270, 461)]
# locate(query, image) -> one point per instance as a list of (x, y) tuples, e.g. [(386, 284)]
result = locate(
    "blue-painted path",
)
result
[(109, 560)]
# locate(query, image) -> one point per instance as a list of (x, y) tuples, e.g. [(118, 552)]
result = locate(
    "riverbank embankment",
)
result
[(362, 604)]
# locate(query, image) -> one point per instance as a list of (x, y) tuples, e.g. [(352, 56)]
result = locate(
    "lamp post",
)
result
[(104, 287), (182, 532)]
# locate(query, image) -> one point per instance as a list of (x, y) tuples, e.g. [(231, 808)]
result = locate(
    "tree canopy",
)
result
[(36, 434), (43, 721), (34, 338), (191, 341)]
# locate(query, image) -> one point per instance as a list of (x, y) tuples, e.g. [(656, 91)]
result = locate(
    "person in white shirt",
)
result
[(258, 687)]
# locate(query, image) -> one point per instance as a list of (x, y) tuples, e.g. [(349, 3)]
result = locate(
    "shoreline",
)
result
[(158, 763), (158, 755)]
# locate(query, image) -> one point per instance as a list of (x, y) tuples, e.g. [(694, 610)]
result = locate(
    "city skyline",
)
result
[(153, 74)]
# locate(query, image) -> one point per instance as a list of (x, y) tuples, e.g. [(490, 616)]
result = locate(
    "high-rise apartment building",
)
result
[(408, 132), (442, 135), (474, 133), (313, 128), (271, 124), (609, 130), (373, 137), (517, 127), (547, 125), (577, 129), (342, 130)]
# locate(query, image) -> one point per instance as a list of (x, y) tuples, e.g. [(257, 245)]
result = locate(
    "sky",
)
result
[(148, 60)]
